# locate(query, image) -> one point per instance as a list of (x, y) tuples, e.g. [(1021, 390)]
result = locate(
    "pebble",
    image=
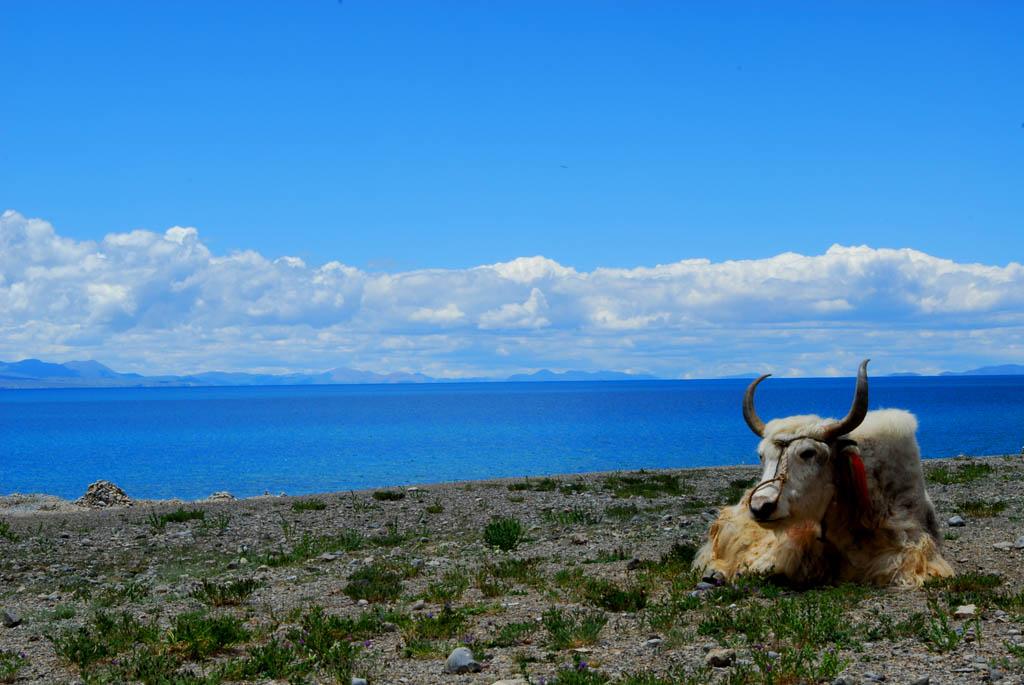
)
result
[(704, 585), (513, 681), (926, 680), (956, 522), (1003, 546), (876, 677), (418, 605), (1019, 542), (358, 681), (11, 619), (461, 661), (965, 611), (720, 657)]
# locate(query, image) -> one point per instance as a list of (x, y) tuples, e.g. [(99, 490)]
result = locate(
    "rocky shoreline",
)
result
[(608, 548)]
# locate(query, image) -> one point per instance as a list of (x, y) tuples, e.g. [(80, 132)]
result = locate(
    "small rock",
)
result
[(956, 522), (876, 677), (232, 565), (965, 611), (461, 661), (388, 627), (720, 657), (666, 517), (362, 602), (358, 681), (925, 680), (11, 619), (418, 605), (1003, 546), (221, 495), (513, 681), (717, 578), (653, 642), (633, 564), (1019, 543), (705, 585), (327, 556)]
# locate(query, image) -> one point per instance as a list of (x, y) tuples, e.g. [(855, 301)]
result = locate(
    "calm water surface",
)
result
[(189, 442)]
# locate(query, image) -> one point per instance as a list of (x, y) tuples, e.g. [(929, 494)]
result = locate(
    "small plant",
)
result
[(436, 507), (512, 634), (226, 594), (272, 660), (981, 508), (606, 594), (445, 624), (609, 556), (181, 515), (390, 538), (449, 588), (939, 635), (792, 665), (119, 594), (622, 512), (573, 516), (388, 495), (314, 504), (735, 490), (503, 533), (104, 635), (573, 629), (198, 635), (964, 474), (643, 484), (219, 522), (10, 664), (375, 583), (573, 488), (6, 532), (579, 674)]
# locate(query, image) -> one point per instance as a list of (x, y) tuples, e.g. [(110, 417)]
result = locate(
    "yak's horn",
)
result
[(858, 410), (755, 423)]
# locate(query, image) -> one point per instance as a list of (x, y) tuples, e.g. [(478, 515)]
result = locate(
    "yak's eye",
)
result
[(808, 453)]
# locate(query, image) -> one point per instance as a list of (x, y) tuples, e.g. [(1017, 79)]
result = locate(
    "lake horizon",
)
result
[(190, 441)]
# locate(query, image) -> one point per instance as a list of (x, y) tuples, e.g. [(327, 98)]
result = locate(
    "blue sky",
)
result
[(413, 142)]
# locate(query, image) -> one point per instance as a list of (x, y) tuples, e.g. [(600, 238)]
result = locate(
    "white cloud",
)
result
[(159, 303), (529, 314)]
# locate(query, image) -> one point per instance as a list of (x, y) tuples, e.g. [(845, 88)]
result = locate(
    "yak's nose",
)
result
[(762, 509)]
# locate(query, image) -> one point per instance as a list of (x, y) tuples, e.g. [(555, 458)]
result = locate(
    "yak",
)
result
[(838, 501)]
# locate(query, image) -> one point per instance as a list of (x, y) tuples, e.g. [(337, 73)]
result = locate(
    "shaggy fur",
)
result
[(896, 542)]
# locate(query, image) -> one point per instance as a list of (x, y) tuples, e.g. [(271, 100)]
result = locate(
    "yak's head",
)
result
[(798, 455)]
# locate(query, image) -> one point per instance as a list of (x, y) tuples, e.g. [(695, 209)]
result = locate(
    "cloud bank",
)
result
[(163, 303)]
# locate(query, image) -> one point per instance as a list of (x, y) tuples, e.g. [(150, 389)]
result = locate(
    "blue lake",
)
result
[(189, 442)]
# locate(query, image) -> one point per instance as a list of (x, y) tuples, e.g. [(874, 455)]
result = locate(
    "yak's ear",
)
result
[(844, 443)]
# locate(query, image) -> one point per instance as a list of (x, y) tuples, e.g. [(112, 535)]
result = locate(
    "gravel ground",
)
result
[(60, 562)]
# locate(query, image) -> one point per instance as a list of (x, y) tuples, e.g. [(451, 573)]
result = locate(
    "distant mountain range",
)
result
[(33, 373), (1000, 370)]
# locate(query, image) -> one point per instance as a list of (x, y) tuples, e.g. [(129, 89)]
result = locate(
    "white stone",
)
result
[(965, 611)]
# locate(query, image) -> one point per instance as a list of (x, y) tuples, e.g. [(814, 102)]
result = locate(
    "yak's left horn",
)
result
[(751, 417), (858, 410)]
